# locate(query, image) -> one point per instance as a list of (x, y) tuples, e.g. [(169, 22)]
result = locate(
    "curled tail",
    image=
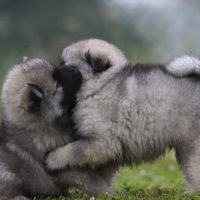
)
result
[(184, 66)]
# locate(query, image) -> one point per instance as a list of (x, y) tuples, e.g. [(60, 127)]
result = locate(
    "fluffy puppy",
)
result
[(33, 104), (127, 114)]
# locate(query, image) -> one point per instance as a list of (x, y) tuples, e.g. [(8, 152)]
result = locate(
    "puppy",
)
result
[(33, 104), (127, 114)]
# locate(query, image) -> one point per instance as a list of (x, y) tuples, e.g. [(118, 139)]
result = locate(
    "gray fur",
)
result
[(130, 114), (27, 133)]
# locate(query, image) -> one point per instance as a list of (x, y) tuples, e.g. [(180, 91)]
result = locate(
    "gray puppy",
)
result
[(33, 104), (127, 114)]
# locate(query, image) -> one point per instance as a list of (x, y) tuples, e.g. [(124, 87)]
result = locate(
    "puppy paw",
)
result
[(56, 160), (14, 198), (20, 198)]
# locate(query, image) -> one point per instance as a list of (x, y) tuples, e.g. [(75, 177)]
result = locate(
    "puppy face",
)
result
[(70, 79), (31, 96), (92, 57), (97, 62)]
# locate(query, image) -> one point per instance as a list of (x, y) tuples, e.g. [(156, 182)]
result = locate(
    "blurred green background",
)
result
[(146, 30)]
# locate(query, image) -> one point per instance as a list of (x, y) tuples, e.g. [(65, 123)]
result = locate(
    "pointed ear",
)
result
[(98, 64), (35, 95), (23, 60)]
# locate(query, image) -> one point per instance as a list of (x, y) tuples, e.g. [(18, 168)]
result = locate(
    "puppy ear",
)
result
[(98, 64), (35, 95), (23, 60)]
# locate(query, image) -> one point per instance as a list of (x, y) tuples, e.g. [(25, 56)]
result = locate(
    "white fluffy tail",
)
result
[(184, 66)]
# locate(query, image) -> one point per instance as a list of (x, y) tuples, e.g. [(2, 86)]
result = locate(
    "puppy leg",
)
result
[(188, 156), (108, 172), (10, 185), (20, 198), (86, 180), (84, 152), (15, 198)]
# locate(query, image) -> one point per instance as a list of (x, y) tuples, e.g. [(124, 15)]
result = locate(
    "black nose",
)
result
[(69, 77), (67, 69), (70, 69)]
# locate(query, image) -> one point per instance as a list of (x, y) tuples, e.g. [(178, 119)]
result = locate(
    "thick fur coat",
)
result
[(33, 103), (132, 113)]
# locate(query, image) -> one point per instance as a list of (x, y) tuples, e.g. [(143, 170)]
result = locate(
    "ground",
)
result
[(161, 180)]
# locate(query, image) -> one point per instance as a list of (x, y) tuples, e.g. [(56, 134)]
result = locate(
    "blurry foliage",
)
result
[(35, 27), (42, 28)]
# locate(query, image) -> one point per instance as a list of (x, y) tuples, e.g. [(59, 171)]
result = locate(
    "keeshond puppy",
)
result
[(33, 103), (132, 113)]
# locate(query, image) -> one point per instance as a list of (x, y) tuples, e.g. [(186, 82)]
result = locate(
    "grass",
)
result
[(161, 180), (164, 173)]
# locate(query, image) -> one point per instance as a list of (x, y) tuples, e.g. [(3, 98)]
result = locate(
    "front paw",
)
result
[(20, 198), (56, 160)]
